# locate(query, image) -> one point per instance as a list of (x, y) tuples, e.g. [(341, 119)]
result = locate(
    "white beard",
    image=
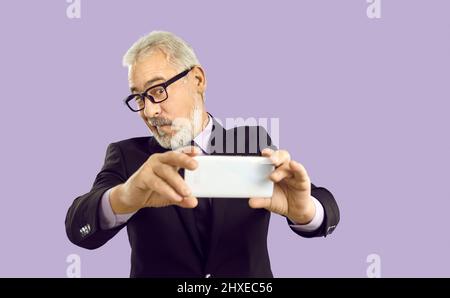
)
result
[(185, 130)]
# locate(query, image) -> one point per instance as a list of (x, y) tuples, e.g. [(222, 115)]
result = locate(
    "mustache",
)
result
[(156, 121)]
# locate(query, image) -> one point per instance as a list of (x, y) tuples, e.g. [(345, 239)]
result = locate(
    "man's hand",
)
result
[(157, 183), (292, 190)]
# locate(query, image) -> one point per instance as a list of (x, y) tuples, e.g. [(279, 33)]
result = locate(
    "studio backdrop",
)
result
[(358, 91)]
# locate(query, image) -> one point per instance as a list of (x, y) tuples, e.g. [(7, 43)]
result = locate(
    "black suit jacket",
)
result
[(164, 241)]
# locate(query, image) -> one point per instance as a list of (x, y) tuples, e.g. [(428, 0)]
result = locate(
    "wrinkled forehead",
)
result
[(150, 69)]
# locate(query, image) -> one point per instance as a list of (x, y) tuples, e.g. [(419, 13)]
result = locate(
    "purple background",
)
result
[(363, 104)]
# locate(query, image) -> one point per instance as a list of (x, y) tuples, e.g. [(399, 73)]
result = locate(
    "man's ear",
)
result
[(200, 79)]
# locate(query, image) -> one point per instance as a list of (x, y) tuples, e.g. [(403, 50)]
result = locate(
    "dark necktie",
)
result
[(202, 214), (203, 218)]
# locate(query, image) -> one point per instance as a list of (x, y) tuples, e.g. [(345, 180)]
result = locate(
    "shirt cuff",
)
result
[(108, 219), (316, 222)]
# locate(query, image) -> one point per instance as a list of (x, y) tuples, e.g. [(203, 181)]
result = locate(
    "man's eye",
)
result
[(157, 91)]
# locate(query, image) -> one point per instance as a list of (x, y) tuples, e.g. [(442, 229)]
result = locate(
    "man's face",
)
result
[(174, 121)]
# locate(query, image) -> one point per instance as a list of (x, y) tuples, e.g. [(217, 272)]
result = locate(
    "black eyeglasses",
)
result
[(156, 94)]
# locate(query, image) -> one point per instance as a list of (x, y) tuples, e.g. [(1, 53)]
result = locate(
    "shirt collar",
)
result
[(202, 139)]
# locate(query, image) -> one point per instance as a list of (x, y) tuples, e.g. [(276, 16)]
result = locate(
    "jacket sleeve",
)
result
[(331, 216), (325, 197), (82, 219)]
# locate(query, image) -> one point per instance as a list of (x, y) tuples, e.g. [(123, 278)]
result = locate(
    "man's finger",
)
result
[(299, 171), (259, 203), (280, 174), (173, 178), (188, 202), (279, 157), (267, 152), (189, 150), (164, 189), (178, 159)]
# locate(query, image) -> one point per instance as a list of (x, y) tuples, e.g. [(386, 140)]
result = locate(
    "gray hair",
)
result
[(179, 53)]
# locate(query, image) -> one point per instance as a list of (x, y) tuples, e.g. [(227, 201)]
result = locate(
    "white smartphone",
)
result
[(230, 176)]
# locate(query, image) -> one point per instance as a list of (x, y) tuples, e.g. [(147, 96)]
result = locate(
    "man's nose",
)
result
[(151, 109)]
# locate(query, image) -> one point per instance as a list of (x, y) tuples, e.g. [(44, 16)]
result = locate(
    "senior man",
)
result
[(172, 233)]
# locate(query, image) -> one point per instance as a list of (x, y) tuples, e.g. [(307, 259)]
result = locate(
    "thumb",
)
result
[(259, 203)]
